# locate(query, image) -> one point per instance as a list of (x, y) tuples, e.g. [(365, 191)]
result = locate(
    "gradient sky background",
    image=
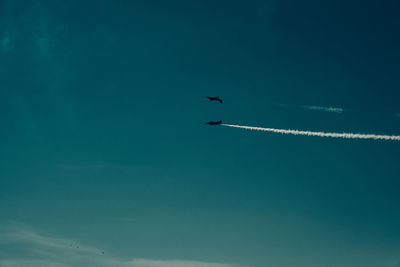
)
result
[(103, 142)]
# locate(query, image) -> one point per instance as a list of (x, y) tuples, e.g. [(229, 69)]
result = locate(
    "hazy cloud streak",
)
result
[(23, 246), (320, 134)]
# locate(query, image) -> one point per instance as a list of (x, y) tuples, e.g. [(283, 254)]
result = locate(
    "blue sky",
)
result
[(103, 141)]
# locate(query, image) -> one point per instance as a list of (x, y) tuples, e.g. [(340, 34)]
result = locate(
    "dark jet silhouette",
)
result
[(214, 122), (215, 99)]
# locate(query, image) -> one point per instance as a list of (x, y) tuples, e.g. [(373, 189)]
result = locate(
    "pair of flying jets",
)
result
[(220, 101)]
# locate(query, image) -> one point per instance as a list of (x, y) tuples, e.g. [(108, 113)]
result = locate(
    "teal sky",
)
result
[(103, 142)]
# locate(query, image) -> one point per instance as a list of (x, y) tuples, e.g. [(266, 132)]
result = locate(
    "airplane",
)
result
[(215, 99), (214, 122)]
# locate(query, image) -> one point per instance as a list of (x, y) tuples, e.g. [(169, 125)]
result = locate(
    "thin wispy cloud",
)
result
[(35, 26), (23, 246), (6, 43), (174, 263)]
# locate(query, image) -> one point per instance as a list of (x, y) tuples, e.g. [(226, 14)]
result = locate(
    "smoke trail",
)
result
[(320, 134)]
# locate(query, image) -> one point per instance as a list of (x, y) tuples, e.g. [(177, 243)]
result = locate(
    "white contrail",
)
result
[(320, 134), (326, 109), (316, 108)]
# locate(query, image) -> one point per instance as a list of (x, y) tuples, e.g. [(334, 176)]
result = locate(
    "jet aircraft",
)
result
[(215, 99), (214, 122)]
